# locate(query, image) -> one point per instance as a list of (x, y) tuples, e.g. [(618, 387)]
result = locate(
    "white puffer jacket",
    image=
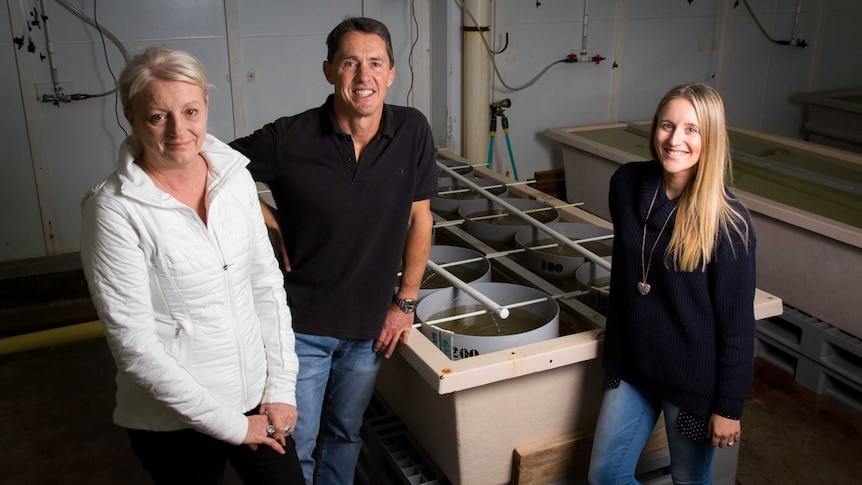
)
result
[(195, 315)]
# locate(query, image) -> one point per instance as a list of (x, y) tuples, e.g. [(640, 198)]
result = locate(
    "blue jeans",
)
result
[(333, 388), (626, 419)]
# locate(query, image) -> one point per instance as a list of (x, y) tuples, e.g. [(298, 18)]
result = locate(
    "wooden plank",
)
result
[(552, 182), (549, 462), (542, 463)]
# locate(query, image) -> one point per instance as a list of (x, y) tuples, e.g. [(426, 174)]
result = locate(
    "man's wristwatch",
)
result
[(405, 304)]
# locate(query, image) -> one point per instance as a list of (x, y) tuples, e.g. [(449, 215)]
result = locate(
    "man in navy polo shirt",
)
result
[(352, 181)]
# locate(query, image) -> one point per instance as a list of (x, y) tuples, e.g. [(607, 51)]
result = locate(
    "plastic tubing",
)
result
[(50, 338), (586, 24)]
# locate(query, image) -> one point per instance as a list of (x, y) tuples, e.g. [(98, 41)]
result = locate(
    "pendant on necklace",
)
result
[(643, 287)]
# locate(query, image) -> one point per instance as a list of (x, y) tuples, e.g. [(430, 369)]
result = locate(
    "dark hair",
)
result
[(358, 24)]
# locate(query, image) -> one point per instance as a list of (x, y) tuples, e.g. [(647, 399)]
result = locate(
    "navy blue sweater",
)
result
[(690, 340)]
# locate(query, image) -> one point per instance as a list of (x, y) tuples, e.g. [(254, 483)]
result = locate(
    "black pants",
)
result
[(189, 457)]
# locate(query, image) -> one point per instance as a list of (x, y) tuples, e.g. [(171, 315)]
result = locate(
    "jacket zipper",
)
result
[(228, 286)]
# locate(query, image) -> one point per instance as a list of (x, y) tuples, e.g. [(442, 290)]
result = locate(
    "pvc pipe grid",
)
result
[(490, 305)]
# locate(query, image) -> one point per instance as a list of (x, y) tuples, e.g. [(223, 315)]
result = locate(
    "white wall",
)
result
[(652, 46), (282, 42), (649, 46), (20, 223), (81, 138)]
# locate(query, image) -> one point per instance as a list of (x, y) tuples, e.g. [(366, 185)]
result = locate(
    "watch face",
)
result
[(406, 305), (410, 305)]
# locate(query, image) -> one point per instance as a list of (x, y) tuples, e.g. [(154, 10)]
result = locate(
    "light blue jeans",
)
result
[(333, 388), (626, 419)]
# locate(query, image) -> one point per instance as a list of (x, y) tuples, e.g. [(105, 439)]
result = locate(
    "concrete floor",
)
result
[(791, 435), (55, 416), (56, 405)]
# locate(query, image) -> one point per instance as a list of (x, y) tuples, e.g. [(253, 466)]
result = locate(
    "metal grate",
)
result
[(390, 455)]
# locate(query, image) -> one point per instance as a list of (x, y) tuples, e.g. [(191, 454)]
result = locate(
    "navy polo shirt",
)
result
[(344, 223)]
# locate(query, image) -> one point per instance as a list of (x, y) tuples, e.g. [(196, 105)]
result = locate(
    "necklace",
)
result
[(643, 286)]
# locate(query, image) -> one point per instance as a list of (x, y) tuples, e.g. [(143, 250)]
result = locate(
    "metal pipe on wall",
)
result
[(235, 74), (583, 55), (55, 78), (476, 79)]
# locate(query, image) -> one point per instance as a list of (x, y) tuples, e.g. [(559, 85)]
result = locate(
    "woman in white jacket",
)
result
[(189, 293)]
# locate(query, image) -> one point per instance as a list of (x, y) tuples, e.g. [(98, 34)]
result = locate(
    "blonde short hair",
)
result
[(159, 63)]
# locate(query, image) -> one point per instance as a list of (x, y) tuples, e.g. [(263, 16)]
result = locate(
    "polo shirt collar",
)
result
[(330, 126)]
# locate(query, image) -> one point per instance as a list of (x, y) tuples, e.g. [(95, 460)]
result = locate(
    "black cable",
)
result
[(762, 30), (505, 46), (412, 46), (108, 62), (757, 22)]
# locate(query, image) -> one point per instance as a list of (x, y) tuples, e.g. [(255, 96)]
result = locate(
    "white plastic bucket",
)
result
[(561, 261), (502, 230), (448, 204), (474, 271), (541, 318), (460, 168), (597, 280)]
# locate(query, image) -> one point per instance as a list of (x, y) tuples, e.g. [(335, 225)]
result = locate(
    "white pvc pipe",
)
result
[(475, 88), (488, 303), (49, 46), (584, 34), (796, 20), (235, 68), (533, 222)]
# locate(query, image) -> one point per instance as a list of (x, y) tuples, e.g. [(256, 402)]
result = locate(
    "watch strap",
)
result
[(406, 305)]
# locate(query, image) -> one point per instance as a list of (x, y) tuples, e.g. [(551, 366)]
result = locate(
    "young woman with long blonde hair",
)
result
[(680, 327)]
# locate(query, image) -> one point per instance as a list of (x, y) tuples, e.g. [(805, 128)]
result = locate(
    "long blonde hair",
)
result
[(704, 211)]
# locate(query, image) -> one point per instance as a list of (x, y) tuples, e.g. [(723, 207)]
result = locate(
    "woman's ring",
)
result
[(286, 429), (730, 443), (270, 429)]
